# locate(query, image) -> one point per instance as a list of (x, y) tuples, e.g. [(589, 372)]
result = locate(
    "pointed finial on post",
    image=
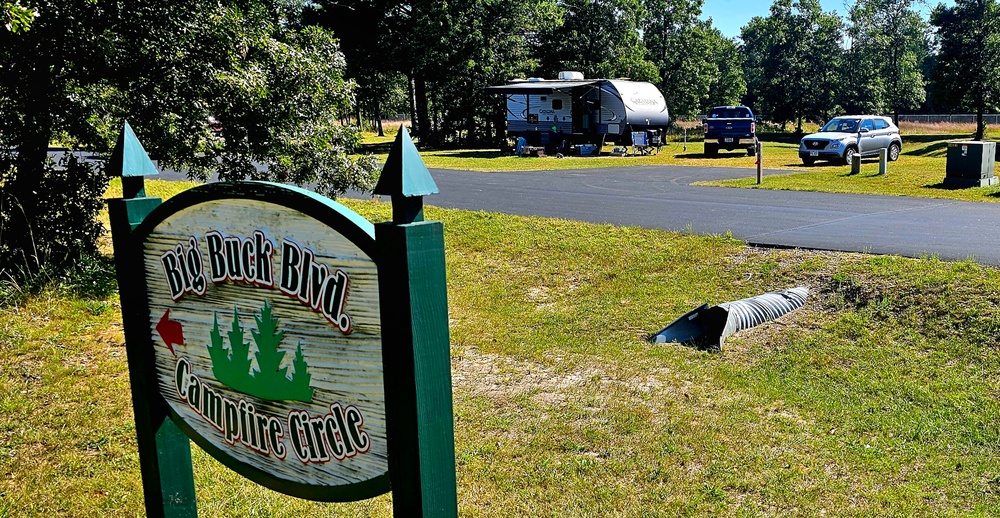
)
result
[(130, 161), (406, 179)]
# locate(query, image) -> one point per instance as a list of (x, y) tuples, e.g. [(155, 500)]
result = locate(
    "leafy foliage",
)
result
[(697, 67), (16, 17), (599, 38), (83, 66), (967, 74), (65, 227), (793, 61), (446, 51), (888, 46)]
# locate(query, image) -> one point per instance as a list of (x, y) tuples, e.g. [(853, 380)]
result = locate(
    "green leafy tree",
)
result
[(884, 65), (447, 52), (493, 45), (367, 36), (967, 75), (84, 66), (728, 86), (17, 18), (697, 66), (599, 38), (793, 57)]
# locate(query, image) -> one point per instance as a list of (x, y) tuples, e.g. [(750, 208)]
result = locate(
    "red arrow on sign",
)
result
[(170, 331)]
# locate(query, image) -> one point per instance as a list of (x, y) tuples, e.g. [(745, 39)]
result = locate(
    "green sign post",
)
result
[(291, 339)]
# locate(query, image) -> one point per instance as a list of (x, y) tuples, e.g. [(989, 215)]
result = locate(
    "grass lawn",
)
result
[(878, 397), (919, 172)]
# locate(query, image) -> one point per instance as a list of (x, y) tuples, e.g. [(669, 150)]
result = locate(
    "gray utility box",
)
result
[(970, 164)]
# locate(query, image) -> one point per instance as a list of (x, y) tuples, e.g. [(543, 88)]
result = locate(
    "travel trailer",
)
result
[(578, 110)]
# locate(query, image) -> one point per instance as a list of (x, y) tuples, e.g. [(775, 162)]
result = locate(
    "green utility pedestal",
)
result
[(970, 164)]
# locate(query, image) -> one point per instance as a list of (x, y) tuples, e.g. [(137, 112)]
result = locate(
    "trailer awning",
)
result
[(537, 87)]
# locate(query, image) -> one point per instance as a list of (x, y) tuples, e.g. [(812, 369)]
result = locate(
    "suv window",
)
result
[(867, 124), (842, 125), (881, 124)]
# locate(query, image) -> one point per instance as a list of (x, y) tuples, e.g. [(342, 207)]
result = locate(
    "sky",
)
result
[(729, 16)]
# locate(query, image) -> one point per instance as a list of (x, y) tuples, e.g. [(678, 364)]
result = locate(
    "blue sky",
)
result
[(730, 15)]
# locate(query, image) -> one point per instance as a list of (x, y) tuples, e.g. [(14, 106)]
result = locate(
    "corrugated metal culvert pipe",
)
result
[(708, 327)]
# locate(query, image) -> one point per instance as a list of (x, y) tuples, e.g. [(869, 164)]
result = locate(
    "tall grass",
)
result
[(937, 128)]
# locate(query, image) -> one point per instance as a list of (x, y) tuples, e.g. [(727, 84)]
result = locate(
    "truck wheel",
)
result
[(711, 149), (752, 150), (893, 152), (849, 155)]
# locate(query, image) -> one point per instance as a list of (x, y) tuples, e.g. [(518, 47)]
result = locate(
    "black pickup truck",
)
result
[(729, 128)]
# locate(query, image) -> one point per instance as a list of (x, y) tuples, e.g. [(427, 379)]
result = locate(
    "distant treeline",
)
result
[(799, 63)]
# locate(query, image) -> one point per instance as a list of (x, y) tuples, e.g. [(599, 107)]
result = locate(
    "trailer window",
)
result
[(556, 104)]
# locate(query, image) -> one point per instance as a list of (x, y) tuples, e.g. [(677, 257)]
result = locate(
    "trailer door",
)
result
[(586, 109)]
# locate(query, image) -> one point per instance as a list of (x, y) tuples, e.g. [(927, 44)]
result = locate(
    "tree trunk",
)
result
[(980, 127), (411, 97), (378, 117), (423, 116)]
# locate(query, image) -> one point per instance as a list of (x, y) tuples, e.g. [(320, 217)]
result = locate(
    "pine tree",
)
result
[(240, 357), (301, 377), (270, 381), (268, 338)]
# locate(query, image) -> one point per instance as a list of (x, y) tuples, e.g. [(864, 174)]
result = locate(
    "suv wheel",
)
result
[(808, 160), (893, 152), (849, 154)]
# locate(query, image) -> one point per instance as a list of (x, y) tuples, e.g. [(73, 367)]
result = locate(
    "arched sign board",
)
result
[(264, 326)]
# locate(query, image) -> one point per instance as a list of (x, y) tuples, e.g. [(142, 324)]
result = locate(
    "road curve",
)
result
[(663, 198)]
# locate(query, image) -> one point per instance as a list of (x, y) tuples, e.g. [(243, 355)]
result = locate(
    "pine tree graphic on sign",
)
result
[(232, 365)]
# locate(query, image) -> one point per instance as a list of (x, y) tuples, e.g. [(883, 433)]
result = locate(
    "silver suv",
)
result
[(844, 137)]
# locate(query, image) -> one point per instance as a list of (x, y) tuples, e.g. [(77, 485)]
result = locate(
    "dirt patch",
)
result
[(502, 378)]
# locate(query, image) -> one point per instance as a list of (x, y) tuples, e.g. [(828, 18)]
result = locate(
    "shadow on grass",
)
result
[(936, 148), (720, 156), (926, 139), (783, 138), (941, 186), (478, 154)]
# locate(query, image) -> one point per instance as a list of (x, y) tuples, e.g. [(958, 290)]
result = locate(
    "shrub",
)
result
[(47, 236)]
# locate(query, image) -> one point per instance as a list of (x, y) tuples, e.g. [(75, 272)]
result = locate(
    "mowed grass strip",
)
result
[(920, 170), (878, 397)]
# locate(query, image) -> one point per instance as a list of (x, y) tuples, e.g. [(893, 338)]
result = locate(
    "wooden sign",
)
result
[(290, 338), (264, 326)]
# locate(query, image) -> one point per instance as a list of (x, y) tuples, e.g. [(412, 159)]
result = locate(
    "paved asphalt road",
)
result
[(662, 197)]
